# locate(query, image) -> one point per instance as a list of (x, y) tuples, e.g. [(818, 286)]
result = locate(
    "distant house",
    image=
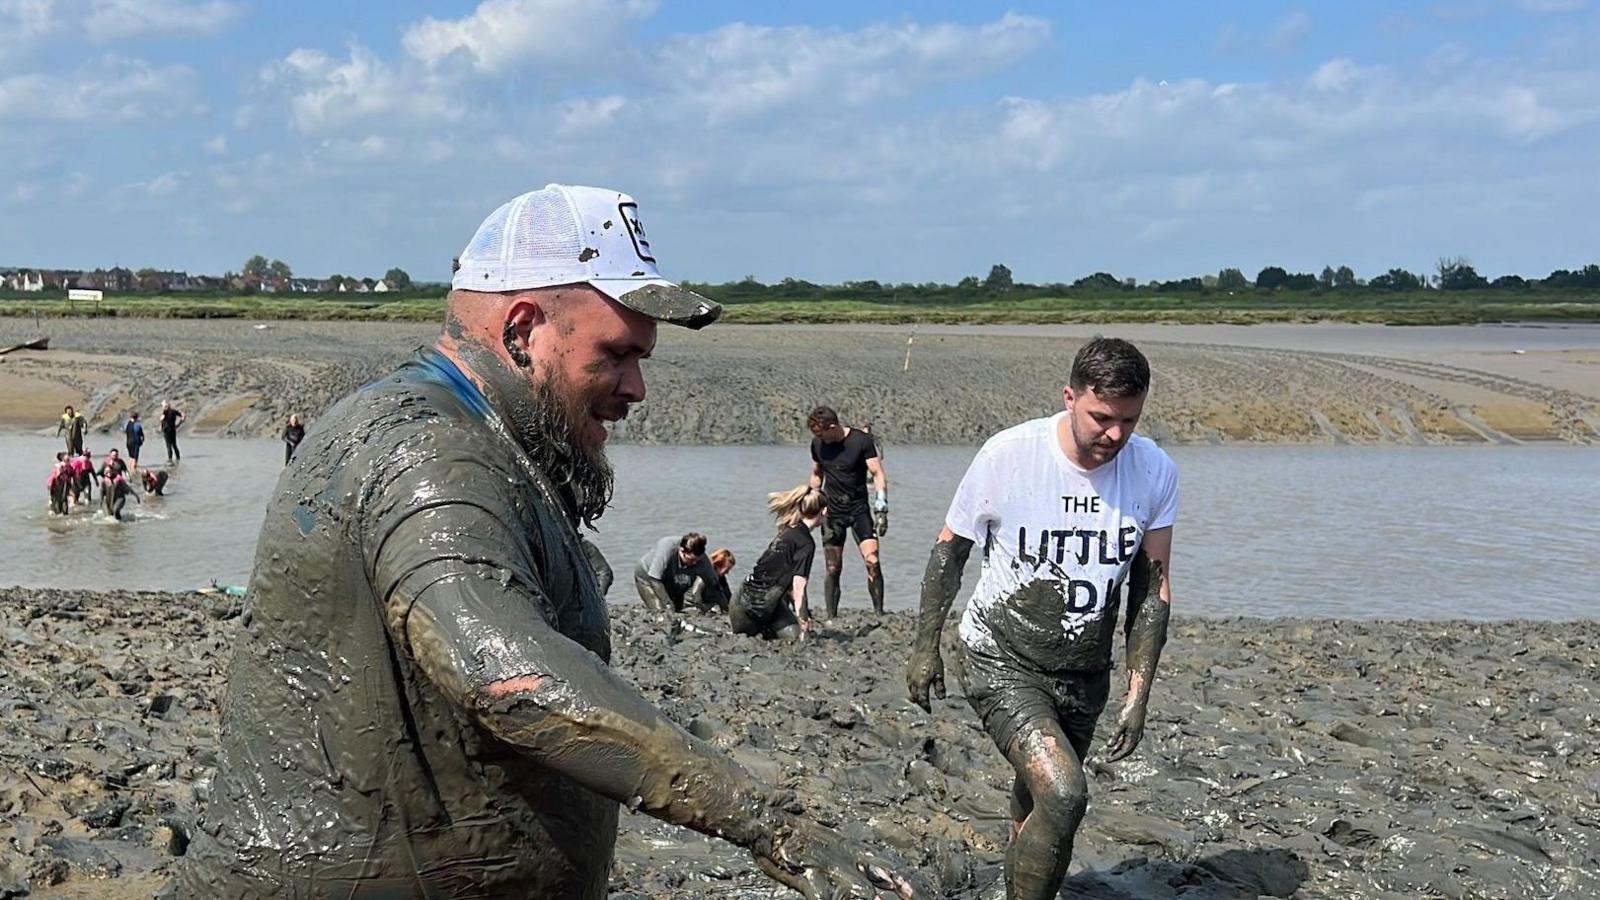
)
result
[(381, 287), (23, 280)]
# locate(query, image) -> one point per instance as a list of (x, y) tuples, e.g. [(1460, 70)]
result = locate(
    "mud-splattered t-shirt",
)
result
[(1057, 542)]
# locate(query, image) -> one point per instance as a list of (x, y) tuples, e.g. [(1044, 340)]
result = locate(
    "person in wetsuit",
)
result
[(59, 483), (114, 487), (133, 431), (420, 702), (170, 420), (83, 475), (1067, 508), (293, 434), (673, 572), (74, 426), (771, 600), (155, 482), (842, 460)]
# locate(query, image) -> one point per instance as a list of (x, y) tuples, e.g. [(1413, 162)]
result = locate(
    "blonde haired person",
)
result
[(773, 594)]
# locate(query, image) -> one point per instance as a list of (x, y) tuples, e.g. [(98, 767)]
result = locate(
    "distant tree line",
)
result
[(1450, 274)]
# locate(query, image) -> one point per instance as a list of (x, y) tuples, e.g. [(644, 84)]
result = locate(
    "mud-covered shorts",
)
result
[(1007, 693), (835, 528)]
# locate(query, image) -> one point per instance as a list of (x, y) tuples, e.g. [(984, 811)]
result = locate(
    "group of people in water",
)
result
[(677, 573), (75, 476)]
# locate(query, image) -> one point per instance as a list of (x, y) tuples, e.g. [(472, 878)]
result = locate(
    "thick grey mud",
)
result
[(1291, 758)]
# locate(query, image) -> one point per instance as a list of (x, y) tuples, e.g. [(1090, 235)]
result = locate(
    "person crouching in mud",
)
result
[(771, 601), (1066, 509), (675, 572), (421, 704)]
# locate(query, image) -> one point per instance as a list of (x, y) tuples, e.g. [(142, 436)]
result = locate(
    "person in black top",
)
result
[(772, 598), (114, 487), (170, 420), (155, 482), (293, 434), (841, 460)]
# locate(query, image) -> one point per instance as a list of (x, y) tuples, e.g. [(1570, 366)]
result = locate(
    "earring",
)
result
[(515, 351)]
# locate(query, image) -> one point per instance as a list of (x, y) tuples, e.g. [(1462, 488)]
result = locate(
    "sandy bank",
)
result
[(1283, 758), (753, 384)]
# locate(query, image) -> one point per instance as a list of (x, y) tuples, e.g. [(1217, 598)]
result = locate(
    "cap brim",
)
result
[(661, 300)]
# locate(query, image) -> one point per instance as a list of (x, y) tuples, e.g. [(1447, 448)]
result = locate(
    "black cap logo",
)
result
[(630, 217)]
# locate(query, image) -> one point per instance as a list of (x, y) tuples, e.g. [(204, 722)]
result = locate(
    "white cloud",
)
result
[(591, 114), (1291, 32), (116, 20), (501, 35), (327, 94), (739, 71), (217, 146), (104, 90), (23, 22), (162, 185)]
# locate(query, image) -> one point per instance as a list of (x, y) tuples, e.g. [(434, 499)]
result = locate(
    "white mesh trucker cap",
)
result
[(565, 234)]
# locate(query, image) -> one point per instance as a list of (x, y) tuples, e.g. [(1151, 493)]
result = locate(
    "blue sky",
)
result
[(829, 141)]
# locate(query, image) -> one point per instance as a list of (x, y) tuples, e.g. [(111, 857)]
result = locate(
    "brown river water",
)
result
[(1347, 532)]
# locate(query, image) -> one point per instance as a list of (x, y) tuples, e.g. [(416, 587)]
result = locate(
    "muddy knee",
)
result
[(1059, 804), (874, 571), (834, 559)]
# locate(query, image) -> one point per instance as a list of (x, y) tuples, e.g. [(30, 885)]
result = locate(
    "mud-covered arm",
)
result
[(940, 584), (1145, 631), (463, 600)]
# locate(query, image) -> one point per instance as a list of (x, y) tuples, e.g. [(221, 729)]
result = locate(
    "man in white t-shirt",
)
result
[(1067, 509)]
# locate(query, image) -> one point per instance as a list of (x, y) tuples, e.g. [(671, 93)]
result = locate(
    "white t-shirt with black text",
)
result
[(1060, 536)]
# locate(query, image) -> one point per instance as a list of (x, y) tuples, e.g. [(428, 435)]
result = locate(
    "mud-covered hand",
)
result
[(819, 863), (880, 522), (1129, 731), (926, 670)]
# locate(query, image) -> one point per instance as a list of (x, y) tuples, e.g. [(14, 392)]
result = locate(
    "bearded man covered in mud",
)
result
[(1066, 509), (420, 703)]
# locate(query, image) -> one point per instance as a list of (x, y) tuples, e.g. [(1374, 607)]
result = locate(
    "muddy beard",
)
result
[(554, 437), (547, 419)]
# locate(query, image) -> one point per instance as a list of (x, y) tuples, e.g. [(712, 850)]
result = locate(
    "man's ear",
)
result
[(522, 317)]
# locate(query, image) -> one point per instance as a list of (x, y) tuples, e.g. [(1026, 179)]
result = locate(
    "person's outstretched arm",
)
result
[(1149, 607), (463, 598), (940, 584)]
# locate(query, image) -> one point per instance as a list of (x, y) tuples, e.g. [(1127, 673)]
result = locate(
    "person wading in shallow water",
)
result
[(1066, 508), (420, 703), (74, 426), (841, 460), (170, 420)]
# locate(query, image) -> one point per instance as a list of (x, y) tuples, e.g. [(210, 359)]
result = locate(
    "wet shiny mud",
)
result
[(1291, 758)]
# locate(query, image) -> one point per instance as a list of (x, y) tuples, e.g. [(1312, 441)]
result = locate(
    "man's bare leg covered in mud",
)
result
[(421, 703), (843, 460), (1069, 510)]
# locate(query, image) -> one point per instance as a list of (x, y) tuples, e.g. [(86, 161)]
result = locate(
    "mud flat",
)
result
[(754, 384), (1284, 758)]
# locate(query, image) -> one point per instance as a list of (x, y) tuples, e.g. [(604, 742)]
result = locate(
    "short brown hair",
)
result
[(822, 418), (1111, 367), (722, 556), (694, 542)]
